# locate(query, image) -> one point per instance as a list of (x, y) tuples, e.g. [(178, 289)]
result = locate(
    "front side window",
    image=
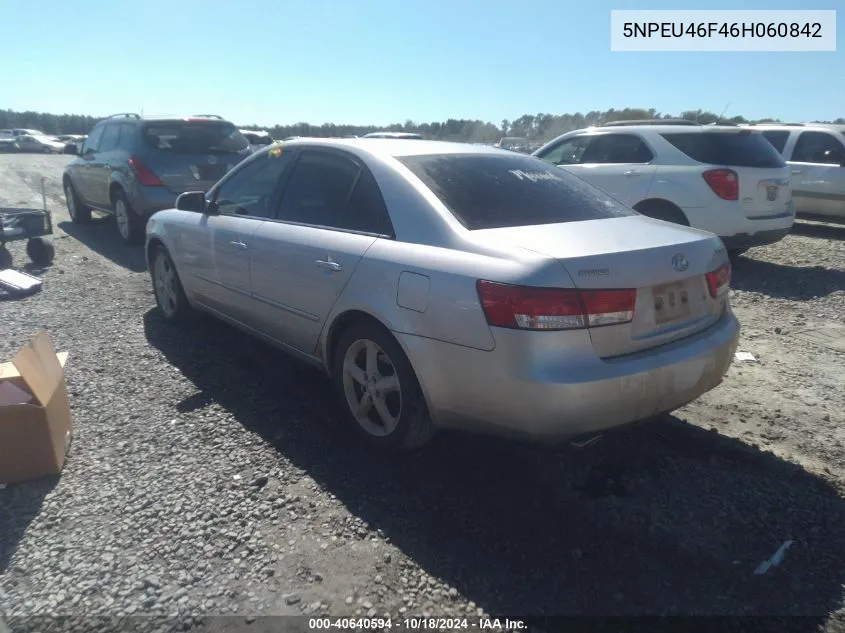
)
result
[(110, 137), (616, 149), (568, 152), (318, 189), (249, 190), (487, 191), (92, 142), (818, 147)]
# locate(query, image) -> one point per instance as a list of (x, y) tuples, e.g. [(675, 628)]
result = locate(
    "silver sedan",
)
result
[(452, 286)]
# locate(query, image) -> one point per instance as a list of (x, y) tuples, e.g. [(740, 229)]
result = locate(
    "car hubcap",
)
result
[(165, 285), (71, 204), (372, 388), (121, 218)]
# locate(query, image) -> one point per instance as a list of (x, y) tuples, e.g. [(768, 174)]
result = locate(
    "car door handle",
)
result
[(795, 172), (239, 245), (329, 265), (632, 172)]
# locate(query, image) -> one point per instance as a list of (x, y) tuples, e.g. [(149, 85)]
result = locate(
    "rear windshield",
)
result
[(189, 137), (732, 149), (492, 191)]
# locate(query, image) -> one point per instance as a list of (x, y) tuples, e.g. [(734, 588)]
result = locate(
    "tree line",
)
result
[(534, 127)]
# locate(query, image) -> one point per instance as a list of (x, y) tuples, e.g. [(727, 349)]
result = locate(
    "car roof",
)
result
[(837, 127), (389, 147), (661, 129)]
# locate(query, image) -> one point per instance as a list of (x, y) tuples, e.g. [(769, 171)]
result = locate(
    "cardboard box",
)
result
[(35, 421)]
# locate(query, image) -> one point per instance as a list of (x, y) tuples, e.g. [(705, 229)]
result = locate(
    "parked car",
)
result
[(449, 285), (73, 142), (257, 138), (396, 135), (39, 143), (8, 143), (133, 166), (725, 179), (815, 153)]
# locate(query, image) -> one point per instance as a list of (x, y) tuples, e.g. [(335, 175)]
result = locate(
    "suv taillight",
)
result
[(723, 182), (529, 308), (144, 174), (719, 280)]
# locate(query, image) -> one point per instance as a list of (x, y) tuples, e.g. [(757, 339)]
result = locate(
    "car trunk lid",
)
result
[(666, 264)]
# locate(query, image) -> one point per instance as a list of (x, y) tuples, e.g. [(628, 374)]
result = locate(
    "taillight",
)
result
[(723, 182), (719, 280), (144, 174), (529, 308)]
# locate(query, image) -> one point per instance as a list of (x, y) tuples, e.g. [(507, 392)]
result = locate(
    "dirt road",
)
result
[(207, 475)]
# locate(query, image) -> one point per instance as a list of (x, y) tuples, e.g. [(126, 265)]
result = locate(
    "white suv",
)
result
[(815, 153), (728, 180)]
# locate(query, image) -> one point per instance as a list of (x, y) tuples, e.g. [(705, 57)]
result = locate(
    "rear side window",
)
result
[(731, 149), (366, 210), (194, 137), (493, 191), (318, 189), (777, 138)]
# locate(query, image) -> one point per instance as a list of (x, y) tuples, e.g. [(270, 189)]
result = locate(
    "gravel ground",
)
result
[(207, 476)]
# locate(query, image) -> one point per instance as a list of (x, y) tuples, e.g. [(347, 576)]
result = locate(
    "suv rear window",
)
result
[(731, 149), (194, 137), (494, 191)]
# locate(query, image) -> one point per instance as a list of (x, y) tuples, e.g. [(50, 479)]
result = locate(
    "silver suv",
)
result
[(133, 166)]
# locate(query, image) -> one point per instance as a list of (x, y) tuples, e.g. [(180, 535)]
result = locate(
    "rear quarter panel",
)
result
[(450, 311)]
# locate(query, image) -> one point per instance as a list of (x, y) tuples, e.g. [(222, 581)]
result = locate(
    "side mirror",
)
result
[(191, 201)]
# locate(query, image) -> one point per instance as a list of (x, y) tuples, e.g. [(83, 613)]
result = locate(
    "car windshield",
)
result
[(743, 149), (194, 137), (485, 191)]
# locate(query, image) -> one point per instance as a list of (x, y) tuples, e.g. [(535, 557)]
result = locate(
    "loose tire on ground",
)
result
[(387, 377), (41, 251), (167, 287)]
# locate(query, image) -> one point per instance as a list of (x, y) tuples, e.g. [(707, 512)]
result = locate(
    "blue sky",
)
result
[(383, 61)]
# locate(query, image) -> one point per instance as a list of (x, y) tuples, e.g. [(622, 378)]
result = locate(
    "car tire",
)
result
[(662, 210), (40, 251), (167, 287), (79, 212), (6, 260), (130, 225), (408, 425)]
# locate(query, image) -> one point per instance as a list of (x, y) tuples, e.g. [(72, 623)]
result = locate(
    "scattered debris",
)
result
[(774, 561), (745, 356)]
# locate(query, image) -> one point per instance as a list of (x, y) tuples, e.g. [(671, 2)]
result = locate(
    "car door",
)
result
[(330, 213), (817, 162), (81, 167), (617, 163), (99, 168), (219, 258)]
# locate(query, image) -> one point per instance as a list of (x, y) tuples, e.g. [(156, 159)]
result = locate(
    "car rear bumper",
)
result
[(147, 200), (760, 238), (555, 387)]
